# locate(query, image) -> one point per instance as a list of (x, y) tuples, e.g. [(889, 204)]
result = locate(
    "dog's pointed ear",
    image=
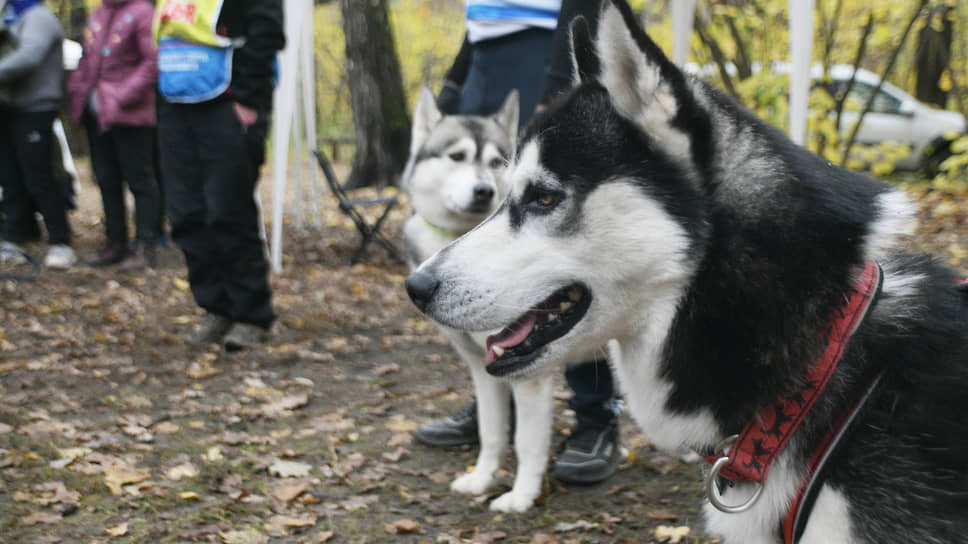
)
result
[(584, 60), (509, 114), (425, 117), (644, 85)]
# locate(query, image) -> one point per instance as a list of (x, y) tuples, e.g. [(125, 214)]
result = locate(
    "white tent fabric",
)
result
[(297, 77), (801, 44)]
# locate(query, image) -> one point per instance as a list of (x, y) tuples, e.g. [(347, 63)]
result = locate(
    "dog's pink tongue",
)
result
[(514, 338)]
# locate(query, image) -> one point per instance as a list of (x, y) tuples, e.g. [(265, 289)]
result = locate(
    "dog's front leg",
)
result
[(492, 417), (532, 440)]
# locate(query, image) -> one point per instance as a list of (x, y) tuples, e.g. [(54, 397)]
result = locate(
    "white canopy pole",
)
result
[(284, 99), (683, 12), (801, 48)]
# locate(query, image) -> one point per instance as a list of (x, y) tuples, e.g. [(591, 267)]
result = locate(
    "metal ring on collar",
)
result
[(712, 489)]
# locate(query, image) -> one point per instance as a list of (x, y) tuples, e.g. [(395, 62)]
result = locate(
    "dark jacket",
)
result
[(35, 68), (253, 65), (121, 61)]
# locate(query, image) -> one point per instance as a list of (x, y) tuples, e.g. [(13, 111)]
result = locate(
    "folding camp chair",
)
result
[(349, 206)]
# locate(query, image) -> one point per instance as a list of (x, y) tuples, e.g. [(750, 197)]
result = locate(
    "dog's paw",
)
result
[(513, 502), (472, 483)]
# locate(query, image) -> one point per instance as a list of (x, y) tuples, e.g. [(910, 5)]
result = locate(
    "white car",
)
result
[(896, 116)]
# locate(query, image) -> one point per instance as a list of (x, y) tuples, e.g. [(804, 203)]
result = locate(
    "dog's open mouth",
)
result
[(520, 343)]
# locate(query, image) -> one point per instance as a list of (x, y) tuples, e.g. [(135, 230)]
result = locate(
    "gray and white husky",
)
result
[(709, 252), (455, 178)]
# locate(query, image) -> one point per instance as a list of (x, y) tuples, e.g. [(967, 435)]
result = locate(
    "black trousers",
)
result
[(210, 163), (594, 398), (126, 154), (27, 177)]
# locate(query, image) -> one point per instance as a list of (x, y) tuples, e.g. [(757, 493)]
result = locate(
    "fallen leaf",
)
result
[(166, 427), (563, 526), (663, 515), (213, 454), (544, 538), (184, 470), (388, 368), (290, 469), (400, 439), (117, 530), (40, 517), (115, 477), (671, 535), (68, 456), (402, 526), (489, 537), (395, 455), (398, 423), (282, 523), (246, 536), (288, 490), (188, 495)]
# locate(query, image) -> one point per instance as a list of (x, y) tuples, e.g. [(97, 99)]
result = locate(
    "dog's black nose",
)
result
[(421, 287), (483, 193)]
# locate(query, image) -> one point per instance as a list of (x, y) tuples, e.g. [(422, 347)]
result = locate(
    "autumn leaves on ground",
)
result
[(113, 430)]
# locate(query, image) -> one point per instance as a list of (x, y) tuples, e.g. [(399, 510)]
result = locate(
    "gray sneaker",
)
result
[(244, 335), (211, 329), (457, 429), (591, 454)]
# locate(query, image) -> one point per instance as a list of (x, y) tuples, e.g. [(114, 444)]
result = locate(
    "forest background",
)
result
[(887, 37)]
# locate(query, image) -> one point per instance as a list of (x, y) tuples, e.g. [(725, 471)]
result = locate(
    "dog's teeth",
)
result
[(552, 317), (575, 294), (564, 306), (498, 350)]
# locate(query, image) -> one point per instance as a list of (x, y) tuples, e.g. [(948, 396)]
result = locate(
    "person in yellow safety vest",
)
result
[(216, 61)]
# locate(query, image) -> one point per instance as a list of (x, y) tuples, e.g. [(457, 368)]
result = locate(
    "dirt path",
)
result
[(113, 430)]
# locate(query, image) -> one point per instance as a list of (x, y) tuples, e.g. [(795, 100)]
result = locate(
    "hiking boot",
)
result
[(143, 256), (11, 253), (591, 454), (112, 252), (211, 329), (244, 336), (457, 429), (60, 256)]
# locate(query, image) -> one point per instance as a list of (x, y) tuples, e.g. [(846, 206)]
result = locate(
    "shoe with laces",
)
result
[(11, 253), (112, 252), (244, 336), (143, 256), (60, 256), (457, 429), (211, 330), (592, 454)]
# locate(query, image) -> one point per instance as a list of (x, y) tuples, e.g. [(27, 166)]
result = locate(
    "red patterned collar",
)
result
[(752, 452)]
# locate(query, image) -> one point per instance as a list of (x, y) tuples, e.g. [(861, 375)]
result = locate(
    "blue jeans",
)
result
[(516, 61)]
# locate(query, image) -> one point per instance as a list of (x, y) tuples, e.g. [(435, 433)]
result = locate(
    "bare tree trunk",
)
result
[(380, 112), (933, 56)]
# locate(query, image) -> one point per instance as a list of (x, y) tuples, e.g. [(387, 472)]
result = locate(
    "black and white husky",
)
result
[(716, 254), (455, 179)]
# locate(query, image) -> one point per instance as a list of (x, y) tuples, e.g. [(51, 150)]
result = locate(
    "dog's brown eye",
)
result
[(457, 156), (495, 163), (546, 199)]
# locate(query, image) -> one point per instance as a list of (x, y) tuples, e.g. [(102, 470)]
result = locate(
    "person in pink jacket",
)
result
[(112, 93)]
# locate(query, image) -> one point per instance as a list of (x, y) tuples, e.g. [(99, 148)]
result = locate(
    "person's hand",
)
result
[(246, 115)]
